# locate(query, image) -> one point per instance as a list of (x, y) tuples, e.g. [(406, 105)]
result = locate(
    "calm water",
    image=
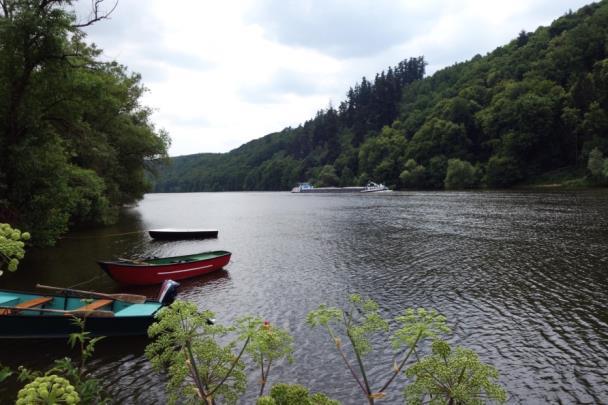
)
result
[(521, 276)]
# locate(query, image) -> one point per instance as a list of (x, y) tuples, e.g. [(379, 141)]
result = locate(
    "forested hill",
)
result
[(536, 104)]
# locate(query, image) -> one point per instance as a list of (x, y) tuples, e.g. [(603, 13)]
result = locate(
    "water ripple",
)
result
[(521, 276)]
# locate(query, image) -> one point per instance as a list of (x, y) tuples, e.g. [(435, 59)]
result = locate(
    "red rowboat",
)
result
[(157, 270)]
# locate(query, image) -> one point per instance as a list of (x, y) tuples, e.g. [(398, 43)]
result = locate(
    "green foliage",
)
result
[(200, 368), (267, 344), (460, 174), (413, 175), (67, 373), (453, 377), (50, 389), (417, 325), (595, 164), (533, 106), (438, 137), (362, 320), (74, 139), (502, 171), (5, 372), (326, 177), (12, 243), (294, 394), (382, 156)]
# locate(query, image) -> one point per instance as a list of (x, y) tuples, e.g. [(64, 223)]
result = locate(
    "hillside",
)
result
[(535, 105)]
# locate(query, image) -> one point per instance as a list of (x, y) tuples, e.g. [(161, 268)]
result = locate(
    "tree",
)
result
[(74, 138), (596, 162), (413, 175), (327, 176), (597, 166), (438, 137), (502, 171), (460, 174)]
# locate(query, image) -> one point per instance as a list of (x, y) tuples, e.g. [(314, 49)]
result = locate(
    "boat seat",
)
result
[(34, 302), (94, 305), (30, 304)]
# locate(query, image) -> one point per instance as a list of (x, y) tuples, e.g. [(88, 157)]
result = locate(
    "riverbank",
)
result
[(564, 178)]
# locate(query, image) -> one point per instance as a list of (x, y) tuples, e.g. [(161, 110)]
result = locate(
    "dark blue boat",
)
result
[(176, 234)]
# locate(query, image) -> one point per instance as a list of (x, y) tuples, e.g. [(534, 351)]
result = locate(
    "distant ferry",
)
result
[(309, 188), (375, 188)]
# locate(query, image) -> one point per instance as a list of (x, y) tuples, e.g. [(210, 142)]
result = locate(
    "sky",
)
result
[(221, 73)]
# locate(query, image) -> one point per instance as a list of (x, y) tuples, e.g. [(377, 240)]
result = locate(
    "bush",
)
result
[(502, 171), (460, 174), (452, 377), (11, 247), (294, 394), (598, 166)]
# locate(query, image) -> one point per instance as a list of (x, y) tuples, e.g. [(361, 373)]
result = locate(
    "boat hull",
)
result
[(325, 190), (147, 274), (15, 326), (32, 315), (177, 234)]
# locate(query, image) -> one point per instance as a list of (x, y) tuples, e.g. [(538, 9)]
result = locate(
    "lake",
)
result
[(522, 277)]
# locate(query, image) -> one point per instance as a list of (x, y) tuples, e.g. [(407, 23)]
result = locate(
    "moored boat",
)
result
[(29, 315), (372, 187), (307, 188), (156, 270), (176, 234)]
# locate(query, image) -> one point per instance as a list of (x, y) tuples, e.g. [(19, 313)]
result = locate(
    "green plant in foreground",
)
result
[(11, 247), (362, 320), (452, 377), (5, 372), (267, 344), (49, 389), (87, 389), (200, 368), (291, 394)]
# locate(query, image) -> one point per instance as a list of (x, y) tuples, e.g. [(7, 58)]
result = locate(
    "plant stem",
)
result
[(194, 369), (350, 368), (368, 390), (265, 376), (407, 356), (197, 377), (234, 363), (263, 382)]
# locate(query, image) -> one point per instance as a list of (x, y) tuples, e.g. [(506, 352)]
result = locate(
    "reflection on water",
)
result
[(521, 276)]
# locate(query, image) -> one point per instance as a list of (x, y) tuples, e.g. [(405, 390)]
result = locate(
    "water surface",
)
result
[(521, 276)]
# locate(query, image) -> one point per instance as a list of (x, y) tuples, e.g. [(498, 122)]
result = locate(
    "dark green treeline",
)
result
[(74, 139), (534, 105)]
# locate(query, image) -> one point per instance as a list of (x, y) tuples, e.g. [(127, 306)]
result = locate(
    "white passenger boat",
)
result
[(372, 187)]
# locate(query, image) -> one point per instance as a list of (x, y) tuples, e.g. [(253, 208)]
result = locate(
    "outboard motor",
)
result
[(168, 292)]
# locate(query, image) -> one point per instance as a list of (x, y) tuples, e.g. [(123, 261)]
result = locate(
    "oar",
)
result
[(131, 298), (97, 313)]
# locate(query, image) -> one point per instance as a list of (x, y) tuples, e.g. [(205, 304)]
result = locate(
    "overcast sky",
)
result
[(221, 73)]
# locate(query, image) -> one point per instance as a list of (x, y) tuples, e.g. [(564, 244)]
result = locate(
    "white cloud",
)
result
[(223, 73)]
